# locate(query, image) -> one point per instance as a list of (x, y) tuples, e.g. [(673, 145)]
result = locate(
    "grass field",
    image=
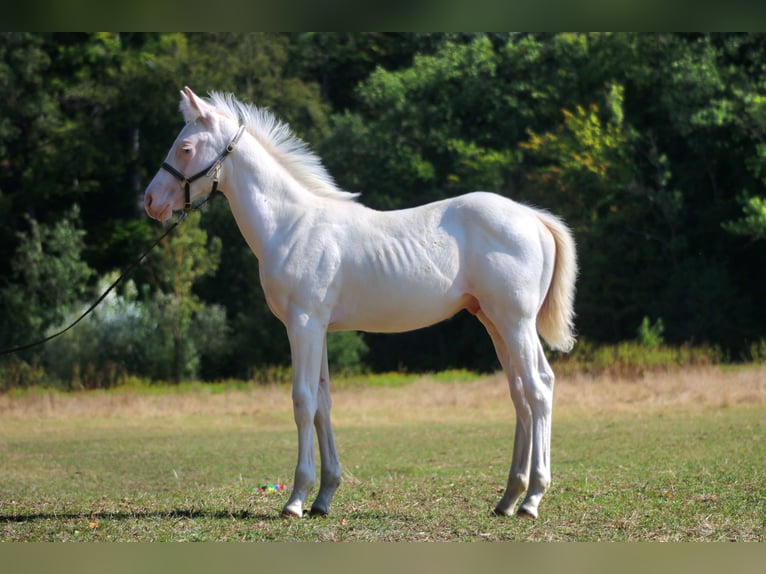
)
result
[(675, 456)]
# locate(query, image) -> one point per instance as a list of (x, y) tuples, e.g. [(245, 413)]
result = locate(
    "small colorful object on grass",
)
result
[(272, 487)]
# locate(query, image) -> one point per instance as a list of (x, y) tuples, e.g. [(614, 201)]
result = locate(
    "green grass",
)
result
[(650, 474), (395, 379)]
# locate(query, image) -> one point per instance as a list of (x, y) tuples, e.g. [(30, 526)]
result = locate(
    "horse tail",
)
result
[(555, 320)]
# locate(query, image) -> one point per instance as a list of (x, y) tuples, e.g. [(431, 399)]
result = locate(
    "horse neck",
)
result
[(263, 197)]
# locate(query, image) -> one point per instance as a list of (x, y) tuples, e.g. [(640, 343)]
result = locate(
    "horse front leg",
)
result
[(306, 345), (331, 471)]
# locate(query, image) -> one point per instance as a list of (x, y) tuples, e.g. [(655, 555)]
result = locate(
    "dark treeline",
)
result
[(651, 146)]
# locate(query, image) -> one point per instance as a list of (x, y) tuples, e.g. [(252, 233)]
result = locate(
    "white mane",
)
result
[(286, 148)]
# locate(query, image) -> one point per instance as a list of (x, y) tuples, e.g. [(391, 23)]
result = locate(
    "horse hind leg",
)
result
[(518, 475), (541, 399), (537, 386)]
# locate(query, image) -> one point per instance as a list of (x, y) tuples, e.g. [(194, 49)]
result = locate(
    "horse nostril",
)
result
[(148, 201)]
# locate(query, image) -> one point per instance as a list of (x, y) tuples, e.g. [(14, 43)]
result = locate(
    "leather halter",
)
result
[(211, 171)]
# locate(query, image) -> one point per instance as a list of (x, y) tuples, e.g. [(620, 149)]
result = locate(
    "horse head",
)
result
[(194, 155)]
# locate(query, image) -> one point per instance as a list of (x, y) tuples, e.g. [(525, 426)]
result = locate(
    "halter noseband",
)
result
[(211, 171)]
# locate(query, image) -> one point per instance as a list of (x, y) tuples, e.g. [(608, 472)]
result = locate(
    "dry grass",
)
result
[(684, 390), (488, 397), (142, 404), (422, 401)]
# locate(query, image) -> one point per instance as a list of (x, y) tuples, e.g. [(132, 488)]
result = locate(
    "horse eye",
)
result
[(187, 150)]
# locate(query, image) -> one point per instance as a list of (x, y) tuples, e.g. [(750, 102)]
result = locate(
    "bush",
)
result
[(651, 335), (346, 352), (47, 278), (757, 351), (633, 358), (16, 374), (124, 336)]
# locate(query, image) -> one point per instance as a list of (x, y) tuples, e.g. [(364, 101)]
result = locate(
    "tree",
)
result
[(29, 115), (636, 139), (753, 222), (182, 260), (253, 66), (651, 145), (47, 278)]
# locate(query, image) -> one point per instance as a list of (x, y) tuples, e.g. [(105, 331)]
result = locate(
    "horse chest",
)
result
[(300, 277)]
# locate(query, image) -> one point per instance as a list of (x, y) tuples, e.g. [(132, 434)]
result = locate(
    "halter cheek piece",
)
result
[(212, 170)]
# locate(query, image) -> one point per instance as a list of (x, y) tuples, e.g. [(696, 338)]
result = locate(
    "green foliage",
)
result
[(753, 222), (757, 351), (651, 335), (584, 144), (252, 65), (127, 335), (18, 374), (29, 114), (477, 167), (651, 146), (701, 304), (346, 351), (633, 359), (398, 379), (425, 127), (47, 278), (180, 261), (165, 334)]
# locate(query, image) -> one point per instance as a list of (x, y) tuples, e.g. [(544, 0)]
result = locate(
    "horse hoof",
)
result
[(317, 512), (497, 511), (526, 513), (288, 512)]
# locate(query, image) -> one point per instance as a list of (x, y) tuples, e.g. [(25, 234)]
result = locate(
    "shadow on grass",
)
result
[(192, 514), (161, 514)]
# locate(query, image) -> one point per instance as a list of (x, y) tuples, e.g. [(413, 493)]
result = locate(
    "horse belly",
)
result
[(403, 277), (397, 309)]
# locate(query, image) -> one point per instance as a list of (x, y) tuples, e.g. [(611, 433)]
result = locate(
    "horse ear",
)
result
[(192, 107)]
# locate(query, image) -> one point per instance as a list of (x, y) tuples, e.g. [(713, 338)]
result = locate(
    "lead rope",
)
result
[(125, 272)]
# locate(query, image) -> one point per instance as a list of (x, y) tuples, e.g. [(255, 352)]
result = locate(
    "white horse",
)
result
[(328, 263)]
